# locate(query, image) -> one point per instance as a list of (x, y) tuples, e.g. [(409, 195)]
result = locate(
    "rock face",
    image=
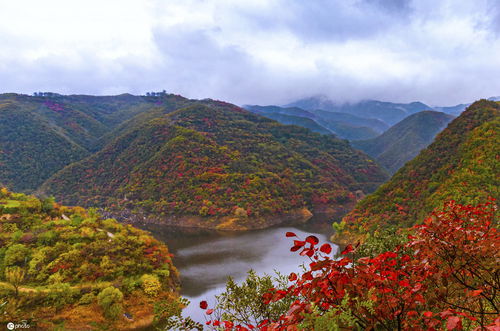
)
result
[(208, 161)]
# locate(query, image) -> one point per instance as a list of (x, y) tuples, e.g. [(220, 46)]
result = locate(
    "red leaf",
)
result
[(326, 248), (453, 323), (203, 304), (209, 311), (292, 277), (291, 234), (295, 248), (299, 243), (313, 240), (476, 293), (428, 314), (347, 250)]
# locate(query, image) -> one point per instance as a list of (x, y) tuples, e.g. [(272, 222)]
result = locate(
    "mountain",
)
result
[(389, 112), (403, 141), (375, 125), (41, 134), (453, 110), (31, 148), (299, 121), (212, 164), (343, 125), (461, 164), (68, 268)]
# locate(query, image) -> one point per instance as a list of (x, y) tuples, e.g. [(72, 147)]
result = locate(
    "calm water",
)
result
[(205, 259)]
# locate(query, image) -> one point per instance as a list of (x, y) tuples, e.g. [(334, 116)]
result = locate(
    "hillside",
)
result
[(31, 149), (213, 164), (389, 112), (461, 164), (299, 121), (41, 134), (65, 267), (403, 141), (343, 125)]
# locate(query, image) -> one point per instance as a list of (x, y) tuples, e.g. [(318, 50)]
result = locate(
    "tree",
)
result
[(110, 299), (445, 276), (16, 254), (15, 277)]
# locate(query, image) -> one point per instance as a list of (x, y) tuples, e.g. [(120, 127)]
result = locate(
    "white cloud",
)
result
[(254, 51)]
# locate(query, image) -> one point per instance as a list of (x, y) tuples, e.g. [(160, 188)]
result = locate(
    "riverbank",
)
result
[(224, 223), (228, 223)]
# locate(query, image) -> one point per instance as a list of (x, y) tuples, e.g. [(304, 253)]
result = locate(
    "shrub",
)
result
[(16, 254), (151, 285), (110, 299), (87, 299)]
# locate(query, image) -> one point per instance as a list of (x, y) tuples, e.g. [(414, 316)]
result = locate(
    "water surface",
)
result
[(206, 258)]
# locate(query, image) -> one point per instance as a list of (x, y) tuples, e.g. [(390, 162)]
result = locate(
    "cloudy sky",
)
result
[(254, 51)]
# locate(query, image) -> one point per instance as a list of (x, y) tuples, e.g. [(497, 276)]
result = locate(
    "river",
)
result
[(206, 259)]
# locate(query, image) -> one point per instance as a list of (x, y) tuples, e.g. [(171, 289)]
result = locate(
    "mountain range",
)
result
[(389, 112), (403, 141), (42, 134), (212, 164), (461, 164), (343, 125)]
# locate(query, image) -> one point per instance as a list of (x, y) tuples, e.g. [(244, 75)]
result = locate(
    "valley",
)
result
[(228, 189)]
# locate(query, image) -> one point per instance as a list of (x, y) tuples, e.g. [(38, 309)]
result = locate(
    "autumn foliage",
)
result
[(445, 276)]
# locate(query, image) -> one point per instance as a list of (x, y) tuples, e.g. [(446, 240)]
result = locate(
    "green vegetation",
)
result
[(41, 134), (300, 121), (213, 159), (31, 150), (67, 264), (461, 165), (343, 125), (389, 112), (403, 141)]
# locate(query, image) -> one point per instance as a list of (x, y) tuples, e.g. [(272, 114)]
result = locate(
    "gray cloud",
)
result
[(270, 51)]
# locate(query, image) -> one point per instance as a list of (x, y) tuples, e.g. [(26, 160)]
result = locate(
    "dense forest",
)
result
[(67, 267), (41, 134), (427, 240), (461, 164), (404, 140), (212, 159)]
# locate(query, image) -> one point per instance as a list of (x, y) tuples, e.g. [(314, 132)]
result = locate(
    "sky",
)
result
[(254, 51)]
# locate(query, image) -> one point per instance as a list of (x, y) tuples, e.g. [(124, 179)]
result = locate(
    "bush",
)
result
[(87, 299), (110, 299), (151, 285), (16, 255)]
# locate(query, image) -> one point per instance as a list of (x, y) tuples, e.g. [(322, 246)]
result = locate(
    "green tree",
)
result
[(243, 303), (15, 277), (110, 299), (16, 254)]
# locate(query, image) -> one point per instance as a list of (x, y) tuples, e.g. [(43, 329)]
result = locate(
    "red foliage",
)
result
[(445, 277)]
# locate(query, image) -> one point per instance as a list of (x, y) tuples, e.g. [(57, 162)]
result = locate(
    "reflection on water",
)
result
[(206, 259)]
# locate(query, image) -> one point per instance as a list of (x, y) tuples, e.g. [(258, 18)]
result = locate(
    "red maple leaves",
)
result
[(445, 277)]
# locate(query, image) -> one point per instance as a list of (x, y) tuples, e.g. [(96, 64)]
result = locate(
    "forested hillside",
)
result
[(343, 125), (462, 164), (41, 134), (66, 267), (389, 112), (219, 164), (403, 141)]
